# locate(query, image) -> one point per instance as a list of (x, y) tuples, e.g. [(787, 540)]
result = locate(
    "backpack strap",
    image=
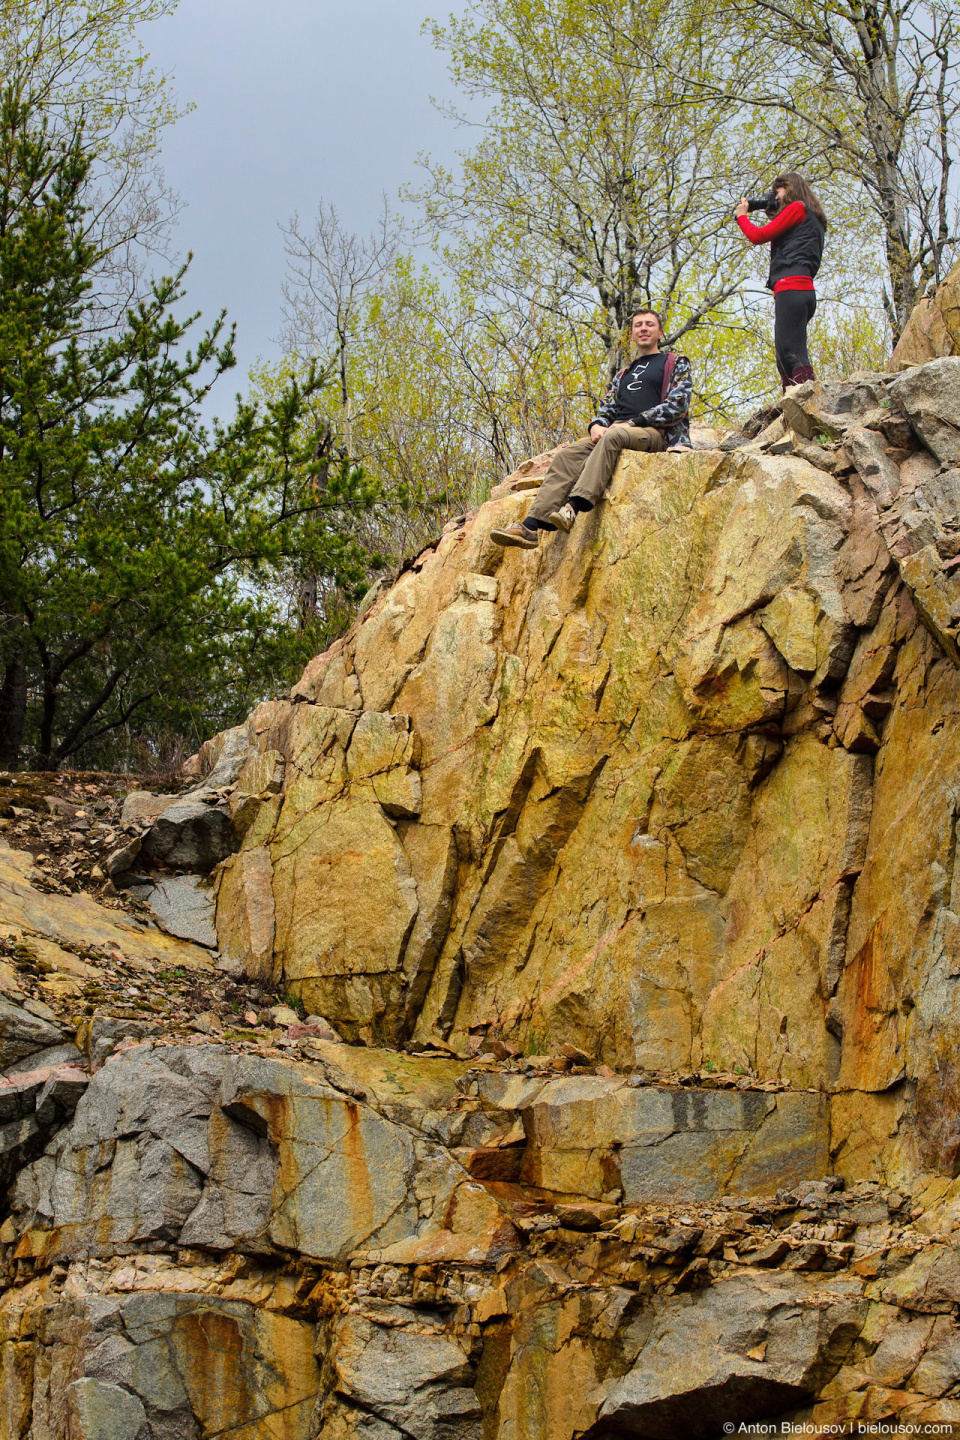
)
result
[(667, 374)]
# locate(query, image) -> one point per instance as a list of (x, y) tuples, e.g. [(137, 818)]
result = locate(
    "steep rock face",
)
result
[(676, 789), (672, 804), (556, 827)]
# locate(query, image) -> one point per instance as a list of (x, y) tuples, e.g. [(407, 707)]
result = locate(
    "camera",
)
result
[(766, 202)]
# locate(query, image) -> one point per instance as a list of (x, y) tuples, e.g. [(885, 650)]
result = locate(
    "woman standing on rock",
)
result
[(795, 236)]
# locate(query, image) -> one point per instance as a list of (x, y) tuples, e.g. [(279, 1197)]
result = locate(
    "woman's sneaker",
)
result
[(563, 518), (516, 534)]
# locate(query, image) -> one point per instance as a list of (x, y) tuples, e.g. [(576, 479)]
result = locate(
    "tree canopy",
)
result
[(594, 169), (160, 575), (867, 92), (83, 63), (136, 548)]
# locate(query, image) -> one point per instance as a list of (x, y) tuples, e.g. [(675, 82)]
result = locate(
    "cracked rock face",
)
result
[(634, 792), (23, 1034), (592, 1136), (548, 812), (229, 1245), (196, 1146), (226, 1244), (670, 804)]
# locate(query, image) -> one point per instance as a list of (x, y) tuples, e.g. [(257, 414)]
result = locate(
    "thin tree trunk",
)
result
[(45, 758), (13, 711)]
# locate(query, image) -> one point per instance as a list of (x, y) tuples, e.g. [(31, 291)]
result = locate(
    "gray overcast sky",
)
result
[(296, 99)]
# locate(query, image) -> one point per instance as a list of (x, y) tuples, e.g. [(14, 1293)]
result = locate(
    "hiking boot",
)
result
[(563, 518), (802, 373), (516, 534)]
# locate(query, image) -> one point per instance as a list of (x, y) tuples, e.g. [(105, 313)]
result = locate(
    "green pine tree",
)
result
[(138, 552)]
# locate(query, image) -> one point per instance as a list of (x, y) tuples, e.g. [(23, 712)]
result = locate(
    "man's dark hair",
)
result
[(646, 310)]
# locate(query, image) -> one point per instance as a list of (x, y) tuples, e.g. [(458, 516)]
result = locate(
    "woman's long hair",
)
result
[(798, 189)]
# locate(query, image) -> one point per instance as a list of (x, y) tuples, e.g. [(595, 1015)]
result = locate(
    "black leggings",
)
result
[(792, 312)]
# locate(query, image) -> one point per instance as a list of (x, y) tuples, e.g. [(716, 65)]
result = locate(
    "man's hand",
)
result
[(743, 208), (597, 432)]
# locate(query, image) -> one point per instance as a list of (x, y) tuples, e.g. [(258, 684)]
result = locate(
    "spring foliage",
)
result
[(136, 548), (157, 578)]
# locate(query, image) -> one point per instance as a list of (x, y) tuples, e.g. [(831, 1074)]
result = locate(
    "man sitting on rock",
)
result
[(646, 407)]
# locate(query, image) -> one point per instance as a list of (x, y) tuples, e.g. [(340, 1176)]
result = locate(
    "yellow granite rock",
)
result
[(933, 328), (553, 811), (677, 792), (676, 789), (246, 892), (79, 922), (901, 1024)]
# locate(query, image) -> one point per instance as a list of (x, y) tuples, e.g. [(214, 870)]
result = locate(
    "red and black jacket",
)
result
[(796, 238)]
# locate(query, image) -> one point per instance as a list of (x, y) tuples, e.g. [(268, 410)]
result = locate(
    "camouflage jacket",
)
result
[(672, 415)]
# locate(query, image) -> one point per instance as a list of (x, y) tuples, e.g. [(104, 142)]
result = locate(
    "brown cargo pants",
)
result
[(583, 470)]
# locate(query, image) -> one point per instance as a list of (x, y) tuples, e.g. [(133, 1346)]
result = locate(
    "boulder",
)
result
[(416, 1383), (33, 1106), (184, 906), (143, 805), (878, 471), (764, 1347), (100, 1036), (528, 475), (193, 834), (57, 805), (64, 1054), (23, 1034), (120, 861), (825, 409), (933, 328), (223, 757), (930, 395), (281, 1015)]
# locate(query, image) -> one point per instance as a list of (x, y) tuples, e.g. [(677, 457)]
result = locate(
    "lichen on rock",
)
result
[(624, 871)]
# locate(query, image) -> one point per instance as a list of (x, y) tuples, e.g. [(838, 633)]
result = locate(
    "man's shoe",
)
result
[(516, 534), (563, 518)]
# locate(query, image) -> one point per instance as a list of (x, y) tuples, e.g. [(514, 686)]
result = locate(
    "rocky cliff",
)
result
[(677, 790), (617, 884)]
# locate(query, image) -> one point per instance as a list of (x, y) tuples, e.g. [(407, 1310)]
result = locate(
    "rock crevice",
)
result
[(625, 872)]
